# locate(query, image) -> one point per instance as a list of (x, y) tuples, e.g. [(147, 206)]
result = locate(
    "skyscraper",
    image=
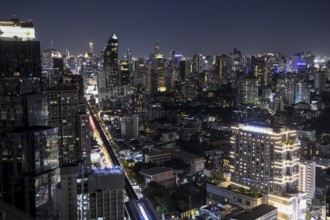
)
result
[(29, 158), (67, 112), (159, 69), (247, 90), (108, 79), (19, 52), (30, 171)]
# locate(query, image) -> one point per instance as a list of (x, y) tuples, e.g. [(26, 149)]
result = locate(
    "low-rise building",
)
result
[(168, 136), (162, 175), (196, 163), (216, 194), (158, 156)]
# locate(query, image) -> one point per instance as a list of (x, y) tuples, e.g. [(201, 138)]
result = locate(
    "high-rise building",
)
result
[(19, 51), (159, 69), (307, 173), (319, 81), (108, 79), (67, 112), (30, 171), (129, 57), (247, 90), (63, 114), (101, 194), (302, 92), (29, 157), (130, 126), (195, 64), (221, 65), (286, 90), (151, 81), (90, 47), (22, 111), (265, 158), (124, 78)]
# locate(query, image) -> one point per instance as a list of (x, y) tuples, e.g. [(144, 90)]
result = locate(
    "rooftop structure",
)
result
[(16, 29)]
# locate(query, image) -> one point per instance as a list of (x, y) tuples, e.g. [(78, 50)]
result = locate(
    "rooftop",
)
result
[(255, 213), (186, 154), (155, 170)]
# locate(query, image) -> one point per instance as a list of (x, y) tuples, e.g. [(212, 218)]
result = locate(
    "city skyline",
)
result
[(188, 27)]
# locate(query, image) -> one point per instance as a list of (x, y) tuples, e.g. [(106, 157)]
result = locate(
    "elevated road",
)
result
[(128, 187)]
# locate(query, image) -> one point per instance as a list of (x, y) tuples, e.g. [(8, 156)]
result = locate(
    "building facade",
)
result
[(264, 157)]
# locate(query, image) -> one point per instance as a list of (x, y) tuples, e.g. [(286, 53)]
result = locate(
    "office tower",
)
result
[(159, 68), (221, 65), (151, 81), (141, 70), (190, 87), (195, 68), (30, 171), (19, 52), (259, 70), (157, 49), (319, 81), (265, 158), (124, 78), (108, 79), (129, 57), (49, 61), (307, 174), (111, 51), (247, 90), (130, 126), (301, 61), (52, 67), (183, 70), (28, 155), (302, 92), (286, 90), (22, 110), (137, 102)]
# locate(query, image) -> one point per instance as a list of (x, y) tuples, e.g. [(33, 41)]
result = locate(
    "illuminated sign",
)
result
[(257, 129), (25, 33)]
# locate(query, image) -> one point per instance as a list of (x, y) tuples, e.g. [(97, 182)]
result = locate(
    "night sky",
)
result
[(187, 26)]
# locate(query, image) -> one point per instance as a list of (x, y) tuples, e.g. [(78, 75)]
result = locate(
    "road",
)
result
[(128, 187)]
